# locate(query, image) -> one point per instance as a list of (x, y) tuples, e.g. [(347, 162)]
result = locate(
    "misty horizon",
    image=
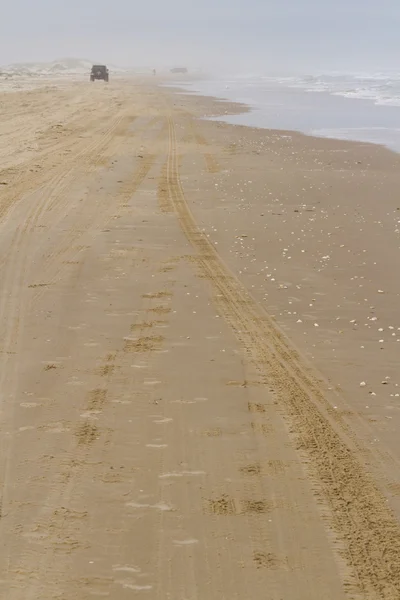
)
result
[(256, 35)]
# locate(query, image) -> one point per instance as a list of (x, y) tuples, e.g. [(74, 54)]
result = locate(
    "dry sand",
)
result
[(195, 399)]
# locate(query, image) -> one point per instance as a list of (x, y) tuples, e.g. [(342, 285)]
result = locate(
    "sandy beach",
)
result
[(199, 353)]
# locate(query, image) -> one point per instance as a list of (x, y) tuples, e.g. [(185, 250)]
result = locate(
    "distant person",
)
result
[(154, 72)]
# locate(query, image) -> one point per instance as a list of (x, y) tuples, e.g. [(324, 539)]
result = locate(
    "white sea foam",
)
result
[(380, 88)]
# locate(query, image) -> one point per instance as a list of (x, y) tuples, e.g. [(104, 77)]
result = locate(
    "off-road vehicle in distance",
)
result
[(99, 72), (182, 70)]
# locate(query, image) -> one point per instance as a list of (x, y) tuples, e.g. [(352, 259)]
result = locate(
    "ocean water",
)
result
[(358, 106)]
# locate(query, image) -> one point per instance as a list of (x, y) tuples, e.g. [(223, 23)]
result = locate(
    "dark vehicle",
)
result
[(99, 72), (179, 70)]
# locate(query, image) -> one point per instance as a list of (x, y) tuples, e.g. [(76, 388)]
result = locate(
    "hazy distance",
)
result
[(239, 35)]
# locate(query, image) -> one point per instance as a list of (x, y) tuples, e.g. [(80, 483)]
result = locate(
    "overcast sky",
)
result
[(241, 34)]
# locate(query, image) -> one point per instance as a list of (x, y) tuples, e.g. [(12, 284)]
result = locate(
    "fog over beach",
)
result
[(265, 53), (262, 36)]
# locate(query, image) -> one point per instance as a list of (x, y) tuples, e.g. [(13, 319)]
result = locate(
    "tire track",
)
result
[(359, 514), (83, 163), (212, 163), (13, 302), (67, 251), (56, 181), (210, 160), (63, 529), (39, 170), (16, 258)]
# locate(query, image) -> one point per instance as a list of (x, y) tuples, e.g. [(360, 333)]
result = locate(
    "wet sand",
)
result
[(313, 227), (195, 399)]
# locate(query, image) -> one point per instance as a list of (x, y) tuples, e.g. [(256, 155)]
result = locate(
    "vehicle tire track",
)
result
[(359, 514), (14, 276), (63, 529), (15, 259), (40, 169), (210, 160), (67, 250), (14, 302)]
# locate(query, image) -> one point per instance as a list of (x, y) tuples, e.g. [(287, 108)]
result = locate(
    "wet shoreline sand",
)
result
[(198, 357), (312, 225)]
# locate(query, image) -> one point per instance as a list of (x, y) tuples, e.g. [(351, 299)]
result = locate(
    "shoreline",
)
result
[(215, 109), (253, 108)]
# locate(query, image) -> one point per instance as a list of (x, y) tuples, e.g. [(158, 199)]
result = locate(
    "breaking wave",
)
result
[(380, 88)]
